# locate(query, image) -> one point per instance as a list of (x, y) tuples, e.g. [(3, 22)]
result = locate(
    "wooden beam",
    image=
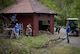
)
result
[(51, 24), (35, 26)]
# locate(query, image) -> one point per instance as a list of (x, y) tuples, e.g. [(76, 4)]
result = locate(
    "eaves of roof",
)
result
[(28, 6)]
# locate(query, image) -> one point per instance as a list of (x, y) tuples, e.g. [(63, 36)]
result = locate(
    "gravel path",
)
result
[(74, 41)]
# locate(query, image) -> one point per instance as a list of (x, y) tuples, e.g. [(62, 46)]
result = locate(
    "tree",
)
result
[(5, 3)]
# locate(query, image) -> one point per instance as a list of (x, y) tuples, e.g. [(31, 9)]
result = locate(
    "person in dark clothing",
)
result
[(58, 30)]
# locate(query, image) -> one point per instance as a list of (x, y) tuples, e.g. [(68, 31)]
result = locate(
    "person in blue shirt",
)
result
[(13, 18), (17, 30), (67, 31)]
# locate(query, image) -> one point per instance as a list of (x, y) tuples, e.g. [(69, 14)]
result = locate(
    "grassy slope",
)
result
[(59, 49), (25, 45), (21, 46)]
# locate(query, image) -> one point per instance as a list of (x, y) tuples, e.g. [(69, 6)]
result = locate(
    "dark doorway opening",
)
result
[(44, 25)]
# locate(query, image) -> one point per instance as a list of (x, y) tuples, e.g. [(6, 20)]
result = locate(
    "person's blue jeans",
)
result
[(68, 38), (17, 33)]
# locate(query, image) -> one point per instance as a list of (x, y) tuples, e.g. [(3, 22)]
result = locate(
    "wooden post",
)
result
[(21, 29), (35, 26), (51, 24)]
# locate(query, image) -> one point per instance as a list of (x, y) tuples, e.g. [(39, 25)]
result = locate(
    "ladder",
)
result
[(21, 28)]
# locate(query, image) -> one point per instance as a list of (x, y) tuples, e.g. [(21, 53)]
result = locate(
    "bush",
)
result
[(39, 41), (5, 3), (79, 26), (12, 46), (23, 45)]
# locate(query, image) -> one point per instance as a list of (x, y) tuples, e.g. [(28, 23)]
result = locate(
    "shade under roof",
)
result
[(27, 6)]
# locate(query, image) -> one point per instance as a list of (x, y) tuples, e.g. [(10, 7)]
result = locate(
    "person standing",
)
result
[(58, 30), (67, 33), (17, 30), (13, 18), (29, 30)]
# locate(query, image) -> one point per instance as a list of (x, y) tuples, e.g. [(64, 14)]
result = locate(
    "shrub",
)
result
[(38, 42), (23, 45)]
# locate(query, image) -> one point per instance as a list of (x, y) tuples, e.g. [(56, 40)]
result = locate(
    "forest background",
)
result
[(64, 8)]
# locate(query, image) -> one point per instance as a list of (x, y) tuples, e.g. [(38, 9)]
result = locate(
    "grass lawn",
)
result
[(59, 49), (23, 45), (34, 45)]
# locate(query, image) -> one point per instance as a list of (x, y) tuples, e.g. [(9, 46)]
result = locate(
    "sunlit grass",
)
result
[(61, 49)]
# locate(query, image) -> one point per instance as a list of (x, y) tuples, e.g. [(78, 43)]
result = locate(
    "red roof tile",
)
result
[(28, 6)]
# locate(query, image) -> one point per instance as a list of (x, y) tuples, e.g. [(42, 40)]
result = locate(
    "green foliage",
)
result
[(39, 41), (27, 45), (8, 46), (23, 45), (5, 3), (79, 26), (75, 9), (49, 3), (64, 9)]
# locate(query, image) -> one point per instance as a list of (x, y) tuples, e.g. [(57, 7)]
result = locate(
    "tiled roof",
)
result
[(27, 6)]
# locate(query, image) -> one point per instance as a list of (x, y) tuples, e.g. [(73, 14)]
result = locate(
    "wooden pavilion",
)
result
[(31, 11)]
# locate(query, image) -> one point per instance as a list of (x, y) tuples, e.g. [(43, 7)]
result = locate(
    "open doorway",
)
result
[(44, 26)]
